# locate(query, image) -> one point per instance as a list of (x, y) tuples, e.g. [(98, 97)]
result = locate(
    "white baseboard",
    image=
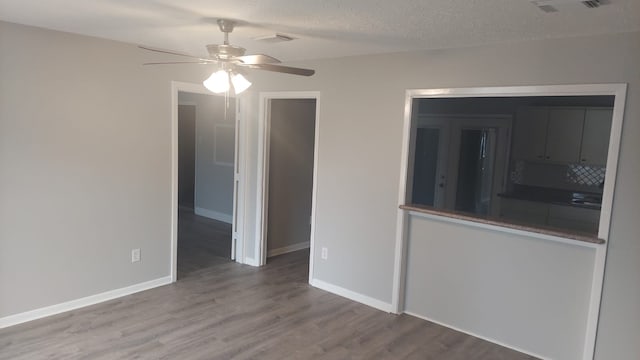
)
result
[(227, 218), (82, 302), (352, 295), (479, 336), (288, 249)]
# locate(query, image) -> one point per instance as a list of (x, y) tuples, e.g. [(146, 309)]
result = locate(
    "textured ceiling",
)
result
[(324, 29)]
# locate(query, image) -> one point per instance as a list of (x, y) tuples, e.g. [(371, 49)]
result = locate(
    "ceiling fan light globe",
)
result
[(218, 82), (240, 83)]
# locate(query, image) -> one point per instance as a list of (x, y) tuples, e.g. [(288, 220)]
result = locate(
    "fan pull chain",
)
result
[(226, 105)]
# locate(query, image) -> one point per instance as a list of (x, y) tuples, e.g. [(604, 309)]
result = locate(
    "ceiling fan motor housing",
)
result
[(225, 52)]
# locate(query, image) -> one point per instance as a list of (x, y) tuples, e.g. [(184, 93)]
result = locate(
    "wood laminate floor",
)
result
[(201, 242), (232, 311)]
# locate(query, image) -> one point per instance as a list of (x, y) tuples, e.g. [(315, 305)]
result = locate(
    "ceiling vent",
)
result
[(274, 38), (547, 8), (554, 5), (592, 3)]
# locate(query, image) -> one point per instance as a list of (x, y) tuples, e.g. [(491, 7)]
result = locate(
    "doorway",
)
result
[(204, 179), (290, 175), (287, 191), (457, 160)]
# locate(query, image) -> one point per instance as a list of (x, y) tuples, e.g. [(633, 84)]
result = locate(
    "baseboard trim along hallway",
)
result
[(352, 295), (288, 249), (215, 215), (82, 302)]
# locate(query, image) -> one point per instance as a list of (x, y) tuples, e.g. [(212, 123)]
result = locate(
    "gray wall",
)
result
[(85, 166), (290, 172), (361, 115), (528, 293), (213, 179)]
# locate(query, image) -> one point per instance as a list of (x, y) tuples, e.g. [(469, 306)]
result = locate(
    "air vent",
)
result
[(591, 4), (549, 6), (274, 38)]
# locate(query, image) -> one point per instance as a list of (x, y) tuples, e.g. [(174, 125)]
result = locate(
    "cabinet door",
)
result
[(523, 211), (574, 218), (564, 135), (530, 133), (595, 137)]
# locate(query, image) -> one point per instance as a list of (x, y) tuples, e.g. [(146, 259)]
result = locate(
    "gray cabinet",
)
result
[(530, 133), (558, 216), (525, 212), (595, 136), (566, 135), (569, 217)]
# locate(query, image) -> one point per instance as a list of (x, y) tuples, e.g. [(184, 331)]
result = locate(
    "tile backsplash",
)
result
[(560, 176), (586, 175)]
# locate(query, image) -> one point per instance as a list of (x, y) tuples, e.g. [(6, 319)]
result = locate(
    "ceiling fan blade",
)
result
[(171, 52), (283, 69), (257, 59), (179, 62)]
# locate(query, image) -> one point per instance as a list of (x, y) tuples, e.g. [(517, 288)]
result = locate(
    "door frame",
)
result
[(618, 90), (237, 238), (264, 125)]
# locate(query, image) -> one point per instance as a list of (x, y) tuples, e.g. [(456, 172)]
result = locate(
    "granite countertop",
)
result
[(578, 236)]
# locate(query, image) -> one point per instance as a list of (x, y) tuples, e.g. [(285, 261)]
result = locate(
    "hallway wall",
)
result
[(214, 149)]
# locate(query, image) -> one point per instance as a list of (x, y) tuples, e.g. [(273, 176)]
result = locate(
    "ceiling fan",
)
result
[(231, 60)]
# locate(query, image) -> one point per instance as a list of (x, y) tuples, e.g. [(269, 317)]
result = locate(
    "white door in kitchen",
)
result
[(431, 150)]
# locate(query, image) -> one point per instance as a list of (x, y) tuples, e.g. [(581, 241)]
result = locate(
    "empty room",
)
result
[(336, 180)]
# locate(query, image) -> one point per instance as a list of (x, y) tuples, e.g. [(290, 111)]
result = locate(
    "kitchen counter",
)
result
[(586, 200)]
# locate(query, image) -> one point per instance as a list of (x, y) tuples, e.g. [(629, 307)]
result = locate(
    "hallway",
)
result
[(202, 242)]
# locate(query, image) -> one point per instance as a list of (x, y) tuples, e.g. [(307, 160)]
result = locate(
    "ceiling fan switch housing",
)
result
[(225, 51)]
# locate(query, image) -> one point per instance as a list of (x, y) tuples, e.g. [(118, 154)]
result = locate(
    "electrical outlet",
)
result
[(325, 253), (135, 255)]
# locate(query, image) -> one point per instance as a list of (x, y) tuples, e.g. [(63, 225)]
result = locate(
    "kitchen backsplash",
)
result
[(585, 175), (576, 177)]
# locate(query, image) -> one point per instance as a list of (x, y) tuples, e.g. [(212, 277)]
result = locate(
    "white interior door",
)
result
[(430, 156), (494, 134)]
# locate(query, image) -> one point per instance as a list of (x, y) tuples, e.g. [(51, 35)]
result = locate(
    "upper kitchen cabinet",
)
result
[(564, 135), (595, 137), (530, 133)]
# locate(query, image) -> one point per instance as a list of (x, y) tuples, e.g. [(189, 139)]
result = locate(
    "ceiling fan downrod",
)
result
[(226, 26)]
